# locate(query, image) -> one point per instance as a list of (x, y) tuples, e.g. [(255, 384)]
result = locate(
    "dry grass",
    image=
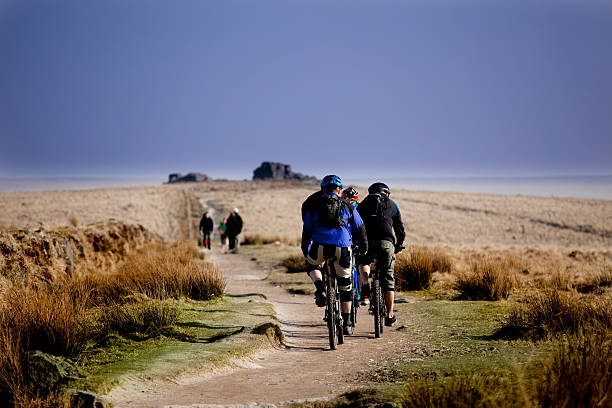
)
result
[(157, 271), (294, 263), (578, 373), (462, 390), (139, 320), (258, 239), (30, 319), (54, 400), (553, 312), (74, 220), (63, 320), (488, 279), (414, 268), (596, 281)]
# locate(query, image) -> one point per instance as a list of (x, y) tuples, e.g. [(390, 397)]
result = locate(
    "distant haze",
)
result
[(360, 88)]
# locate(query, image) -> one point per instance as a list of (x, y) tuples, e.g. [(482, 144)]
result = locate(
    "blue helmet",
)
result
[(331, 179)]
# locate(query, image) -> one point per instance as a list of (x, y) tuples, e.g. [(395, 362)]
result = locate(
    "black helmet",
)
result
[(379, 188), (350, 192)]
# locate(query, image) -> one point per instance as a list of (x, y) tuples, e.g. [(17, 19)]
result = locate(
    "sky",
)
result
[(383, 87)]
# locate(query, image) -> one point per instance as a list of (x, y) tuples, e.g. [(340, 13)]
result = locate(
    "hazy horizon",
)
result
[(384, 88), (591, 187)]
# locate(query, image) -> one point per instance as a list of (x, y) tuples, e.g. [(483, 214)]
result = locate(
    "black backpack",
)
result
[(330, 211)]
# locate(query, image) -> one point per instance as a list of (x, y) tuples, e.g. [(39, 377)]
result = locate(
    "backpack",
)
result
[(380, 207), (330, 211)]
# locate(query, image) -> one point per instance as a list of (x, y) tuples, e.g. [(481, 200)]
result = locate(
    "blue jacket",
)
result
[(340, 236)]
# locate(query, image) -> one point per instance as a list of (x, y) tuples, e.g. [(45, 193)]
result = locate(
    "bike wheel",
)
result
[(339, 325), (354, 306), (383, 308), (377, 308), (332, 328)]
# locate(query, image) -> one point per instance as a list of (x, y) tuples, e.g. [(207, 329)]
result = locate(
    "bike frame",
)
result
[(377, 304), (332, 307)]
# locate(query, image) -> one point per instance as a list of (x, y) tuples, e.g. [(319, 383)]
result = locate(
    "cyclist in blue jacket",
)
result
[(330, 230)]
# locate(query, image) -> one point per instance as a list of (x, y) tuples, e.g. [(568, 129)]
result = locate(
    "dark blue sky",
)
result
[(389, 88)]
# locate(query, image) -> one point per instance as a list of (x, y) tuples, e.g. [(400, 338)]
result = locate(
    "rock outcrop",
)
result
[(188, 178), (43, 255), (279, 171)]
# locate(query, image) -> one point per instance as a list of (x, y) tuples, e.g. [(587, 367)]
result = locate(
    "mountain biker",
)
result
[(352, 195), (330, 228), (382, 218)]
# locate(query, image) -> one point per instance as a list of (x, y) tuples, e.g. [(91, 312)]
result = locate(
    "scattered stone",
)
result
[(86, 399)]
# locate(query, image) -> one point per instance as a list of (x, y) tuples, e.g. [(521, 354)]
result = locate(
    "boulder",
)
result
[(278, 171), (188, 178), (48, 372)]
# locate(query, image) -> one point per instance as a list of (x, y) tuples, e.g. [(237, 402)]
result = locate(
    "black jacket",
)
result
[(233, 225), (206, 224), (311, 204), (391, 219)]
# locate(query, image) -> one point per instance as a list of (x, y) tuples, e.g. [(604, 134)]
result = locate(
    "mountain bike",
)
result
[(332, 307), (377, 304)]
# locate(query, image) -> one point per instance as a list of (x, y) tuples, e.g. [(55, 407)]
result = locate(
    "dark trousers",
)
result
[(232, 241)]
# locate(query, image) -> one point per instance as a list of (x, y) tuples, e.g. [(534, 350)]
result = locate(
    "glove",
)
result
[(399, 248)]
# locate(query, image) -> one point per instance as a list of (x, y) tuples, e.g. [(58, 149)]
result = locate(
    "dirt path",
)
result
[(305, 368)]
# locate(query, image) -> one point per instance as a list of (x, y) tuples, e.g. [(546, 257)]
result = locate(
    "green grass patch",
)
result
[(271, 257), (205, 336)]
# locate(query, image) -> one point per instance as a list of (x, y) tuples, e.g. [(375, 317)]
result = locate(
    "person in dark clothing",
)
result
[(233, 228), (206, 229), (382, 219)]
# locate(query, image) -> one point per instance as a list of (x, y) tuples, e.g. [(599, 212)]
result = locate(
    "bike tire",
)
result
[(331, 316), (339, 325), (354, 306), (377, 308), (383, 308)]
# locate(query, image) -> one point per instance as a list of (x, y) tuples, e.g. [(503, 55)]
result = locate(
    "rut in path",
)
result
[(304, 368)]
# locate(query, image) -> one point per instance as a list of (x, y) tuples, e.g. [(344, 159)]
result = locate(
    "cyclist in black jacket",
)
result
[(382, 219)]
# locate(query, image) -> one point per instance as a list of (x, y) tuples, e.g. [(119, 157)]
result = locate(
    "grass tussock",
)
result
[(54, 400), (294, 263), (578, 373), (596, 281), (414, 268), (32, 319), (488, 279), (258, 239), (158, 272), (137, 320), (463, 390), (555, 312), (74, 220)]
